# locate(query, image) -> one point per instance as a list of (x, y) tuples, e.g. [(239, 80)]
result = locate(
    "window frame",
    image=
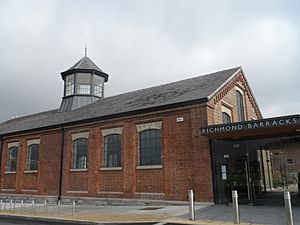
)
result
[(81, 84), (10, 159), (107, 152), (98, 86), (240, 106), (227, 116), (70, 85), (29, 157), (74, 163), (153, 162)]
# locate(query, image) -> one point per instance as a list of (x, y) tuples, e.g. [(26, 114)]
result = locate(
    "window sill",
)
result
[(30, 171), (79, 170), (150, 167), (10, 172), (111, 168)]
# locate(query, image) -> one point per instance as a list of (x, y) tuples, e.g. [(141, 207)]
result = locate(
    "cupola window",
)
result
[(70, 85), (83, 83), (98, 86)]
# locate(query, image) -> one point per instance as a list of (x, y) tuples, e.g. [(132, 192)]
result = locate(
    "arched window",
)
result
[(12, 159), (150, 147), (79, 159), (240, 106), (32, 157), (112, 150), (226, 118)]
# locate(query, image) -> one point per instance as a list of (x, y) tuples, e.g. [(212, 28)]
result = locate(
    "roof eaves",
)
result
[(225, 83)]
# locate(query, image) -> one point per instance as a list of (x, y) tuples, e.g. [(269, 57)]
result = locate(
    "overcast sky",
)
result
[(146, 43)]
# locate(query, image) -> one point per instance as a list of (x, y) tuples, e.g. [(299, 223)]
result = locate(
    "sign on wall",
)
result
[(253, 124)]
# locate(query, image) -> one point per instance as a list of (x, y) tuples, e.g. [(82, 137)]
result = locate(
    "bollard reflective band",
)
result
[(234, 194), (287, 195)]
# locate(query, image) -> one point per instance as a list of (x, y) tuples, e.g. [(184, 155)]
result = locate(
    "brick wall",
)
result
[(186, 158), (46, 180)]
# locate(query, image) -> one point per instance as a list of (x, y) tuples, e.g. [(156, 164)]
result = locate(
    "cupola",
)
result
[(83, 84)]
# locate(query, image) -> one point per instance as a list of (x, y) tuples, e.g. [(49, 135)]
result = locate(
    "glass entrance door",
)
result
[(240, 177), (260, 170)]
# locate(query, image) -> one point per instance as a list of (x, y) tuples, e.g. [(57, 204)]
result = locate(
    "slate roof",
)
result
[(188, 91), (85, 64)]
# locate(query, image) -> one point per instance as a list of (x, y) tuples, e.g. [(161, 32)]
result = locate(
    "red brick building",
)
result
[(143, 144)]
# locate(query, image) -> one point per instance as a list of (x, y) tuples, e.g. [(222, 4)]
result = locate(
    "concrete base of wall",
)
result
[(67, 200)]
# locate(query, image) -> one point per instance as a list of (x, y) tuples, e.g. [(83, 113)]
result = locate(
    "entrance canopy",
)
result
[(270, 127)]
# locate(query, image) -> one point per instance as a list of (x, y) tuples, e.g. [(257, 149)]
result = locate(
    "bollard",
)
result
[(288, 208), (14, 206), (33, 207), (58, 206), (191, 205), (73, 207), (235, 203), (10, 205), (45, 207), (1, 202), (21, 206)]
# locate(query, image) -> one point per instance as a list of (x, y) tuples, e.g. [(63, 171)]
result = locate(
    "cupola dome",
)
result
[(83, 84)]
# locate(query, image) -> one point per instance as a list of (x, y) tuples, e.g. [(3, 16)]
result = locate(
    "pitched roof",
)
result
[(85, 63), (188, 91)]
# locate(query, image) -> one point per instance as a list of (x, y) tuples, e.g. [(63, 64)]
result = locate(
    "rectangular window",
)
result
[(83, 81), (70, 85), (98, 86)]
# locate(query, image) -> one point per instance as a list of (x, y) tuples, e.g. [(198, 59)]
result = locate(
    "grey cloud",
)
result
[(145, 43)]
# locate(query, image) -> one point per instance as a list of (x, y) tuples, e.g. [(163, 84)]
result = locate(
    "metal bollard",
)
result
[(58, 206), (46, 206), (4, 205), (235, 203), (191, 205), (288, 208), (22, 205), (10, 205), (14, 205), (33, 206), (1, 202), (73, 207)]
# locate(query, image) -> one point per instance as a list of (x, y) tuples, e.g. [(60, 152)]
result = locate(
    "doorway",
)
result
[(259, 169)]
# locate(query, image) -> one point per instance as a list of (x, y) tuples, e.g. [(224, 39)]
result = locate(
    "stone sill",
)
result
[(149, 167), (110, 168), (10, 172), (79, 170), (30, 171)]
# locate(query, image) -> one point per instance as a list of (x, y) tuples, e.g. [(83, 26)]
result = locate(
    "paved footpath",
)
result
[(205, 214)]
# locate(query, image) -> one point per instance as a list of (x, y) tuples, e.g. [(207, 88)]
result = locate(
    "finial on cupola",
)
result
[(85, 51)]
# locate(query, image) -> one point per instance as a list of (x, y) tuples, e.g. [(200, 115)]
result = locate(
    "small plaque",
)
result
[(179, 119)]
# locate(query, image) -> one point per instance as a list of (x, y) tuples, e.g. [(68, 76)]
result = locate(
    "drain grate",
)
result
[(151, 208)]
